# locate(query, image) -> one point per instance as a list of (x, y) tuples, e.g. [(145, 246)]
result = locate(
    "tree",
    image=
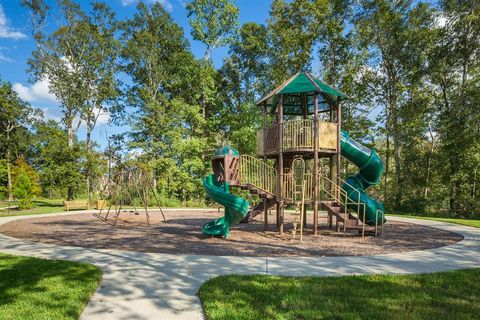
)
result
[(455, 74), (168, 125), (381, 26), (79, 60), (213, 22), (60, 165), (15, 115), (25, 183), (22, 190), (243, 78), (293, 28), (21, 166), (3, 178)]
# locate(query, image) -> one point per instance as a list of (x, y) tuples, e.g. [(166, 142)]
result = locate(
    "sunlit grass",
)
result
[(446, 295), (40, 289), (40, 207), (465, 222)]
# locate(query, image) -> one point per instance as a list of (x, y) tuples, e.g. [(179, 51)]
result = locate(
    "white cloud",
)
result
[(5, 58), (5, 30), (51, 114), (165, 3), (39, 91), (103, 118)]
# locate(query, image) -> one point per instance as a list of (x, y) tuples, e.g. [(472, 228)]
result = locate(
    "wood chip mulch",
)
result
[(183, 235)]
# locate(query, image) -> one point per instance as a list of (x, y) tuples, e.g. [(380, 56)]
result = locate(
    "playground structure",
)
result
[(127, 186), (300, 149)]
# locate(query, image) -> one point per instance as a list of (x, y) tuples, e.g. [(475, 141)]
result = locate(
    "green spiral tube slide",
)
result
[(370, 173), (236, 208)]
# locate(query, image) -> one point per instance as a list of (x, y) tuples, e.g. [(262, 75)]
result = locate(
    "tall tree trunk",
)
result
[(89, 158), (9, 167), (429, 161), (70, 136), (387, 157), (396, 156), (9, 176), (473, 191)]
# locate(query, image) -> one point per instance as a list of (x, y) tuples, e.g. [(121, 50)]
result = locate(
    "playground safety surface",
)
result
[(183, 235)]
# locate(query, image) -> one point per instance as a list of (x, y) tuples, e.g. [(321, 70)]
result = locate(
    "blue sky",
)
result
[(16, 45)]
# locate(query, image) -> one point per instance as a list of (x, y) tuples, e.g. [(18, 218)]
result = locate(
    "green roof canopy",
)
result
[(302, 83)]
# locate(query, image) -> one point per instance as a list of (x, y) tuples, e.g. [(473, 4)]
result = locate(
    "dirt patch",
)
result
[(183, 234)]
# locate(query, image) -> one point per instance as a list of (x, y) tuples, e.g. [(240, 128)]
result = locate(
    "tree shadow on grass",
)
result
[(48, 289), (450, 295)]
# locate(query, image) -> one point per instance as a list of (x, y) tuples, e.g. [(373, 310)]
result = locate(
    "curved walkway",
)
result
[(138, 285)]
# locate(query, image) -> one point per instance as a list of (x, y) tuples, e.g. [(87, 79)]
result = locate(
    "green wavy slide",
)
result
[(236, 208), (370, 173)]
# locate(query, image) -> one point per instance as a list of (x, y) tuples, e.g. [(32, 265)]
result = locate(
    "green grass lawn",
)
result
[(40, 206), (40, 289), (465, 222), (446, 295)]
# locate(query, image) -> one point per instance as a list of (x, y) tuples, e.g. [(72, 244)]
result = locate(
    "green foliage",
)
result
[(410, 69), (15, 116), (79, 59), (3, 178), (213, 22), (173, 96), (23, 190), (23, 167), (61, 166), (26, 184)]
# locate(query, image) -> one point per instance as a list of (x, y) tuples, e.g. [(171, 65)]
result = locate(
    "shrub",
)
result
[(23, 190)]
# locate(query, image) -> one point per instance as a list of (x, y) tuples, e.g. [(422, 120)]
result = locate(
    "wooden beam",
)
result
[(339, 126), (325, 96), (315, 166), (265, 124), (280, 211)]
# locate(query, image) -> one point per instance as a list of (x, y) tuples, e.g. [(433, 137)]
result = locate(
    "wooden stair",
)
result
[(254, 190), (337, 211), (260, 207)]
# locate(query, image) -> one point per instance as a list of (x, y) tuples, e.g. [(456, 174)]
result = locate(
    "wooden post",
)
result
[(333, 190), (304, 113), (280, 213), (339, 126), (315, 166), (304, 105), (265, 160)]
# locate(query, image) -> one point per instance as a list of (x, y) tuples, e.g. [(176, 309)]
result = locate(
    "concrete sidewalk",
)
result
[(139, 285)]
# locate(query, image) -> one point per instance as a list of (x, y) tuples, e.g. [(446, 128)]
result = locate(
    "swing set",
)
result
[(128, 190)]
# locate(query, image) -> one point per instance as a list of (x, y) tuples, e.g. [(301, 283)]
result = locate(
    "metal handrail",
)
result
[(376, 220), (257, 173), (345, 200)]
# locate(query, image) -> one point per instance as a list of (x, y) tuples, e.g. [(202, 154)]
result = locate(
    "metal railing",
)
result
[(340, 195), (256, 172), (263, 176), (376, 221), (289, 186), (298, 134)]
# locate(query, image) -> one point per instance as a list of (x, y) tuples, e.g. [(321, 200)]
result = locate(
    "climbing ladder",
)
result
[(298, 197)]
